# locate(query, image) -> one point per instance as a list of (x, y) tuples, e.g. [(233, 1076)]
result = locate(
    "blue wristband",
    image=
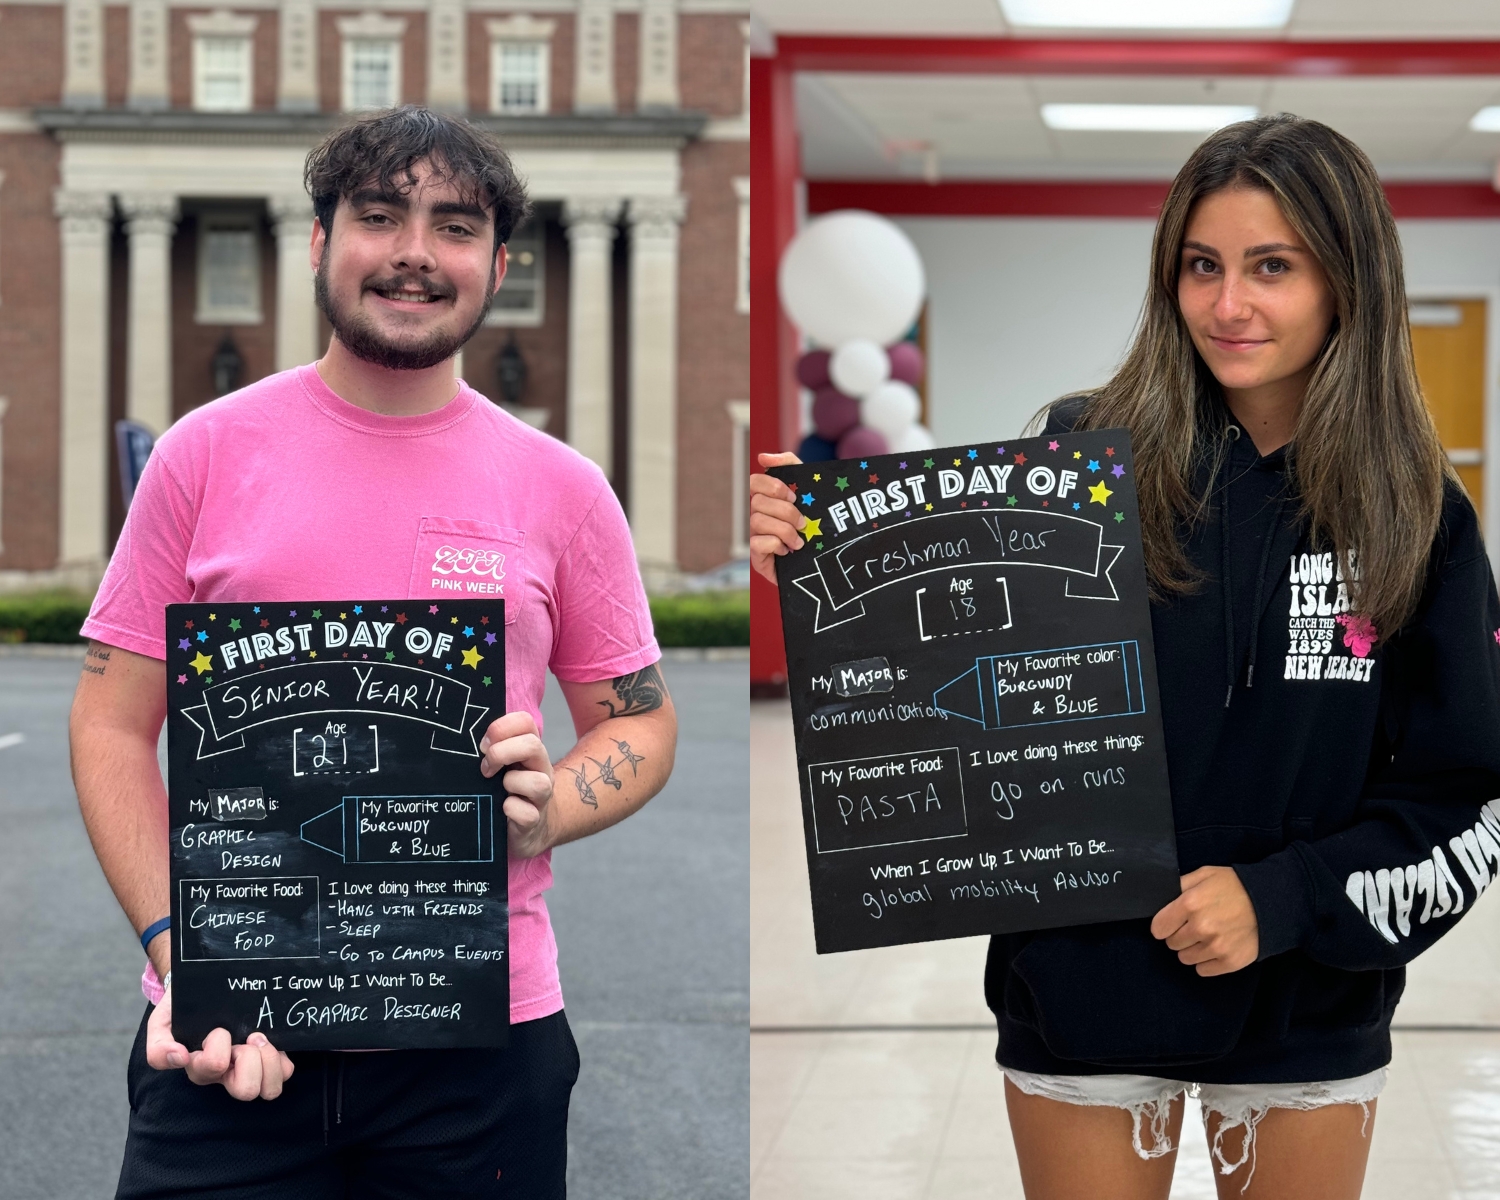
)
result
[(153, 929)]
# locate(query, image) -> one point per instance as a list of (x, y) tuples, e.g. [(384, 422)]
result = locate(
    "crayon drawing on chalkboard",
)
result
[(973, 686), (338, 861)]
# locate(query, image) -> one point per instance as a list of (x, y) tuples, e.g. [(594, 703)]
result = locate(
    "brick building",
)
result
[(153, 236)]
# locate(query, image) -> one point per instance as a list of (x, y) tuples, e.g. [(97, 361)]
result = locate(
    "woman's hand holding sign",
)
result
[(1212, 925), (774, 519), (512, 745)]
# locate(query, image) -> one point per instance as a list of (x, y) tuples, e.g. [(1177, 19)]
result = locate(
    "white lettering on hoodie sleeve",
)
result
[(1391, 893)]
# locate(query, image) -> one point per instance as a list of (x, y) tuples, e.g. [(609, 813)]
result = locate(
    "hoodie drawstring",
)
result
[(1260, 590), (1232, 433)]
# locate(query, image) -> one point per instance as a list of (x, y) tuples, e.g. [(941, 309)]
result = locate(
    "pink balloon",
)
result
[(861, 442), (834, 413), (812, 369), (906, 362)]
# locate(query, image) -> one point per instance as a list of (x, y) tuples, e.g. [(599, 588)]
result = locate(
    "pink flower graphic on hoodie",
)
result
[(1359, 633)]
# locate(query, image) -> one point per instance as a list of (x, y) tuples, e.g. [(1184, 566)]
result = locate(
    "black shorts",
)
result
[(398, 1123)]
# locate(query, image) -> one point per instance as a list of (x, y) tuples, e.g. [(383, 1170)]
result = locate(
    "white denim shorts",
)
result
[(1238, 1104)]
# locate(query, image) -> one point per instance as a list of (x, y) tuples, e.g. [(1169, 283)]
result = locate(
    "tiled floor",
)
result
[(914, 1108)]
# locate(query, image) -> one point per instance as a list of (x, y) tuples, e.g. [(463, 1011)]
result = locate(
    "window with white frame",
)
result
[(222, 60), (518, 74), (228, 269), (221, 73), (739, 537), (742, 247), (520, 64), (521, 296), (372, 73)]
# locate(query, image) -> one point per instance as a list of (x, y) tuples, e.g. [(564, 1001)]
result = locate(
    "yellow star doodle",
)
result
[(1078, 454), (1098, 494), (204, 662), (813, 528), (472, 657), (817, 478), (929, 508)]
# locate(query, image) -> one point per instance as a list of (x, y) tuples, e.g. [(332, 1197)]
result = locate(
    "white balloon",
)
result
[(849, 275), (913, 438), (857, 368), (890, 409)]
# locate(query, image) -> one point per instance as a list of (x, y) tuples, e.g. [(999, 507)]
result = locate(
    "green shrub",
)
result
[(689, 619), (702, 619), (42, 617)]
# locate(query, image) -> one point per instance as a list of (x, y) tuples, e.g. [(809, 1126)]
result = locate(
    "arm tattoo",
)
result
[(640, 692), (627, 757), (94, 660), (607, 773), (585, 791)]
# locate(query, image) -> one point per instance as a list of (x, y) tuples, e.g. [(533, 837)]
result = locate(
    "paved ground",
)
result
[(652, 918)]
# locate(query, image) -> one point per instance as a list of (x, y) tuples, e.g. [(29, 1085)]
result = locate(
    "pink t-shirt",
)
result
[(283, 491)]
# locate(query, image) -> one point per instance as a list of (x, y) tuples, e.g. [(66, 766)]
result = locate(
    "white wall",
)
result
[(1021, 311), (1025, 309)]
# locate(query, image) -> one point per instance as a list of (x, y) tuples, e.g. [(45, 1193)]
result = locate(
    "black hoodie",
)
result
[(1346, 776)]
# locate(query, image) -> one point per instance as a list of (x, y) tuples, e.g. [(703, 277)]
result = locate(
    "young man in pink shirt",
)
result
[(346, 478)]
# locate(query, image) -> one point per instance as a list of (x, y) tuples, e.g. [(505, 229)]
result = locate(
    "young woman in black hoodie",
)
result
[(1328, 643)]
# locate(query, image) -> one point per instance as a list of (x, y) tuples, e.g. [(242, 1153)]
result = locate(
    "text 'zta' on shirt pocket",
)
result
[(470, 559)]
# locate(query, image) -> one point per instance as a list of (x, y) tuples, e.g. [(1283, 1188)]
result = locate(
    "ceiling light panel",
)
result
[(1146, 118), (1146, 14), (1486, 120)]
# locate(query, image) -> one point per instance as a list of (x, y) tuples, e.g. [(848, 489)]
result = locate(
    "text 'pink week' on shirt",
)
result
[(283, 491)]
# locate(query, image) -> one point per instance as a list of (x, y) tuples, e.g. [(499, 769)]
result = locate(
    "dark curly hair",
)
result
[(382, 150)]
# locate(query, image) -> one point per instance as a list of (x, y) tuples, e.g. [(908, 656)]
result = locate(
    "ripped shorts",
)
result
[(1238, 1104)]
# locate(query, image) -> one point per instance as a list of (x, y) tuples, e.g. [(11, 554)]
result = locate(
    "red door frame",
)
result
[(775, 165)]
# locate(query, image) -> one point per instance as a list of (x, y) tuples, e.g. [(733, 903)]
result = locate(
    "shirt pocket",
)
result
[(460, 559)]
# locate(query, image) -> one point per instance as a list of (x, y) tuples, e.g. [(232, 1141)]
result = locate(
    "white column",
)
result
[(658, 56), (147, 86), (83, 68), (653, 377), (591, 232), (594, 73), (297, 81), (83, 475), (4, 404), (447, 51), (296, 307), (150, 220)]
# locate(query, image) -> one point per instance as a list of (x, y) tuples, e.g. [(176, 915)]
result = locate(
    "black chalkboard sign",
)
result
[(974, 689), (338, 861)]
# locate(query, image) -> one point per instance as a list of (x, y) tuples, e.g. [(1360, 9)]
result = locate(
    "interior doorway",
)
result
[(1449, 341)]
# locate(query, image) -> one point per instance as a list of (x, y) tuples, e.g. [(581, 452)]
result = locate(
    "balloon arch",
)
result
[(853, 283)]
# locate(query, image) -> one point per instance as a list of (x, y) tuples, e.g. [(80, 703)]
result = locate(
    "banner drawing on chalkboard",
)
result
[(943, 542), (338, 861), (973, 687)]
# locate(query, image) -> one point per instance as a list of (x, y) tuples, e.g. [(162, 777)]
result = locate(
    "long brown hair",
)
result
[(1365, 456)]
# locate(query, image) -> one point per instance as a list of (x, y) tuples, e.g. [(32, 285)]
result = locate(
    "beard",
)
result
[(363, 339)]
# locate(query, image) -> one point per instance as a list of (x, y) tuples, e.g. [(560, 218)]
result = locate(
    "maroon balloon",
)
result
[(906, 362), (834, 413), (861, 442), (812, 369)]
